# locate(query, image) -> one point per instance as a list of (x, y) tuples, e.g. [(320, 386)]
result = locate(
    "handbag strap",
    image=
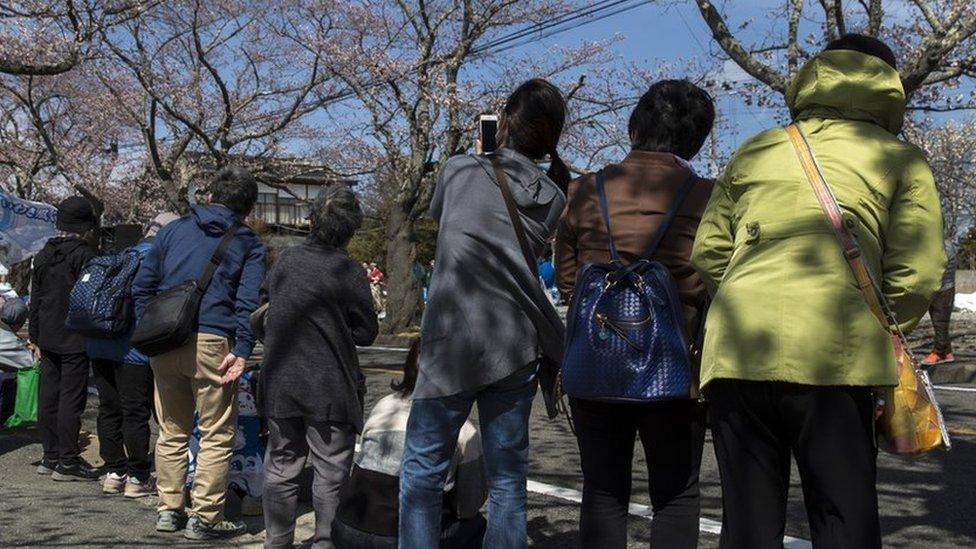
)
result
[(852, 250), (217, 257), (669, 217), (513, 214)]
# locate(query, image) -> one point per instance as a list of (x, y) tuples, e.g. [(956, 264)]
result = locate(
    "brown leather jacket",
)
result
[(639, 192)]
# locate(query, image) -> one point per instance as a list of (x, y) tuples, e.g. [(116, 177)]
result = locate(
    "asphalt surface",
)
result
[(925, 502)]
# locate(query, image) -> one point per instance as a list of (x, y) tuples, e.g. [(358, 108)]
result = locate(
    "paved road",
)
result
[(926, 502)]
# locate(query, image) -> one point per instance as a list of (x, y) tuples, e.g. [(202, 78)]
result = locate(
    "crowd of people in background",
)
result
[(756, 271)]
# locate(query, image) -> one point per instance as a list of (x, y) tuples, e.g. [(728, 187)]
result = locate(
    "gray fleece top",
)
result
[(487, 315)]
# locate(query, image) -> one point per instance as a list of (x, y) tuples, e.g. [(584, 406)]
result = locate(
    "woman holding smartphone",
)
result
[(480, 343)]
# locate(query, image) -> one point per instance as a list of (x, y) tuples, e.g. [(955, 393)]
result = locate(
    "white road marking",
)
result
[(704, 524), (952, 388), (391, 349)]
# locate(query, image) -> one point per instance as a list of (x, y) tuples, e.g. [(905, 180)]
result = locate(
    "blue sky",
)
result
[(670, 31)]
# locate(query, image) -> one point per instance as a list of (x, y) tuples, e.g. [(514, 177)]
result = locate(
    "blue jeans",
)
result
[(432, 433)]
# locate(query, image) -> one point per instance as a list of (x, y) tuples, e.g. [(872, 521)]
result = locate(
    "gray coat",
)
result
[(487, 315), (319, 309)]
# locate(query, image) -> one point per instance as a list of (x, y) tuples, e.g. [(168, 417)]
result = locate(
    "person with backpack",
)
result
[(124, 381), (201, 375), (653, 202), (63, 389), (487, 318), (792, 349)]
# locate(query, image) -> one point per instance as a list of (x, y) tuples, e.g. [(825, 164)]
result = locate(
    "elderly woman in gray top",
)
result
[(486, 320), (311, 392)]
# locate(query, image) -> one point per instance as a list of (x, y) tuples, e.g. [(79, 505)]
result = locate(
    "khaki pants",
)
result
[(187, 380)]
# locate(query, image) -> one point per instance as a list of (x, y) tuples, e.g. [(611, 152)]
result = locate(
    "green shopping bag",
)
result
[(25, 403)]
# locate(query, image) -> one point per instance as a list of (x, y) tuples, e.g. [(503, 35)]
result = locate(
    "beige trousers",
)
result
[(188, 380)]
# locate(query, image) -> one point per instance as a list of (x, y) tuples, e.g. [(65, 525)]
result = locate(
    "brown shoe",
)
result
[(114, 483), (134, 488)]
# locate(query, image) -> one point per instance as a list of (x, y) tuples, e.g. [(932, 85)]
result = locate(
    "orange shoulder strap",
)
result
[(852, 251)]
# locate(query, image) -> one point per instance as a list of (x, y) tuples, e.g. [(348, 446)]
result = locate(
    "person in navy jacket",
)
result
[(202, 375)]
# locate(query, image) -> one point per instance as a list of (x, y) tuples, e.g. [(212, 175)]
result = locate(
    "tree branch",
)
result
[(734, 49)]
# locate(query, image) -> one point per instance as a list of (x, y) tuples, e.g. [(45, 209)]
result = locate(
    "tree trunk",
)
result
[(403, 300)]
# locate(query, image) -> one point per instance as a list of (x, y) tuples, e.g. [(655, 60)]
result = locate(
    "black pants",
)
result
[(941, 313), (61, 397), (756, 425), (672, 434), (125, 393), (8, 396)]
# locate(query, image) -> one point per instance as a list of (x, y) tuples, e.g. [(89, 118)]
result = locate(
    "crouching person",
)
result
[(368, 508), (319, 309), (201, 376)]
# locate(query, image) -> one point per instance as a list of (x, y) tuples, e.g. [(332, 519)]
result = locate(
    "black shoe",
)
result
[(78, 471), (46, 467), (197, 530)]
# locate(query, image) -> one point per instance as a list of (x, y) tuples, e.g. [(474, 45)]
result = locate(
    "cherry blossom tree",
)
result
[(935, 41), (421, 72), (57, 136), (951, 150), (48, 37), (234, 80)]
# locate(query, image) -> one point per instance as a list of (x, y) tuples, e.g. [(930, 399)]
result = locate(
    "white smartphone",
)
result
[(487, 132)]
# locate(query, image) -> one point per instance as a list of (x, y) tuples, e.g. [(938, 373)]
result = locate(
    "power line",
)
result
[(569, 21)]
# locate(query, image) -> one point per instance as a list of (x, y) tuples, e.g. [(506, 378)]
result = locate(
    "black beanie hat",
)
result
[(76, 215)]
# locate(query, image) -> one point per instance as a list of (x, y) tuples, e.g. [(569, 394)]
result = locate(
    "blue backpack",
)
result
[(625, 326), (100, 303)]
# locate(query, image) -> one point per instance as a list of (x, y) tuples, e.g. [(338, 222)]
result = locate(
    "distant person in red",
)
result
[(376, 284), (375, 274)]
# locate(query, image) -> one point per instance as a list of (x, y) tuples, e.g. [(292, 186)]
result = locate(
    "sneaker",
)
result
[(46, 467), (79, 471), (197, 530), (168, 520), (114, 483), (934, 358), (135, 488)]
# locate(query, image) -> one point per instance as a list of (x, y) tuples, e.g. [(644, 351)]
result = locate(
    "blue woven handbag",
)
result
[(625, 326)]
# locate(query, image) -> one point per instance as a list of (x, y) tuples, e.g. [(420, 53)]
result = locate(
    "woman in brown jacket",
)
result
[(667, 128)]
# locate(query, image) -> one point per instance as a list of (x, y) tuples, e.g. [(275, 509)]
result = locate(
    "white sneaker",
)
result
[(114, 483)]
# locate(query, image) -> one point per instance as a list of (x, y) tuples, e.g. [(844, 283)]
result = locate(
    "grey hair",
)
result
[(335, 215)]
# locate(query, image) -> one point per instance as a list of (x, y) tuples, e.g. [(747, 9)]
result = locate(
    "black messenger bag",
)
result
[(171, 315)]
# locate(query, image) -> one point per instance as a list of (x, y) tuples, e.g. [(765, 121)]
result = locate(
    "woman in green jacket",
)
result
[(791, 349)]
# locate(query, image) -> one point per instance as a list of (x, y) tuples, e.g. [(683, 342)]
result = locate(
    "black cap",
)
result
[(76, 215)]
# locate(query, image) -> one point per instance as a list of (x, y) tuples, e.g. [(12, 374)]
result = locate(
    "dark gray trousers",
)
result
[(941, 313), (329, 447)]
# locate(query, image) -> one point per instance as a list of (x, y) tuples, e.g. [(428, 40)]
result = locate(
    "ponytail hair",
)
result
[(559, 172), (532, 122)]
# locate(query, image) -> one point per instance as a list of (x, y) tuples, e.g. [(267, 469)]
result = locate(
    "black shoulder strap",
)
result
[(601, 195), (513, 214), (679, 199), (217, 257)]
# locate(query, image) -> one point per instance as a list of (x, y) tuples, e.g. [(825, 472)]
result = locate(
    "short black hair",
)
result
[(865, 44), (336, 215), (235, 188), (411, 369), (674, 116)]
